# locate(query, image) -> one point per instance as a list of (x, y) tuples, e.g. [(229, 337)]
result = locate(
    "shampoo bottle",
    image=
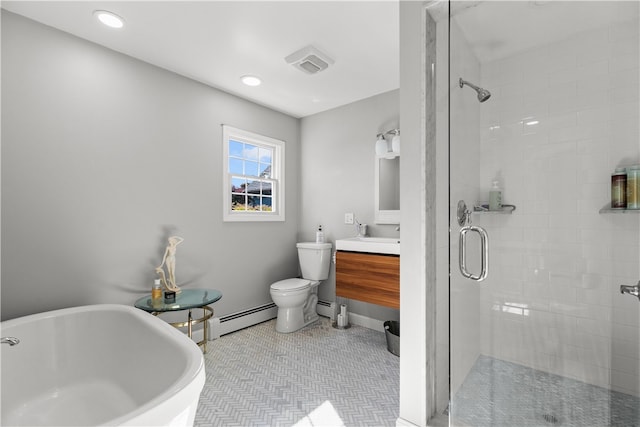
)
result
[(319, 235), (495, 197)]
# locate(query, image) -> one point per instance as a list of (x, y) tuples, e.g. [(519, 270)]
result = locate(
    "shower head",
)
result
[(483, 94)]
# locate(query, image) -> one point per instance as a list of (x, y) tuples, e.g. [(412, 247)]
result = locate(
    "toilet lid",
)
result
[(291, 284)]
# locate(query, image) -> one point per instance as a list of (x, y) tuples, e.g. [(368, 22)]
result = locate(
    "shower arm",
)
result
[(462, 82)]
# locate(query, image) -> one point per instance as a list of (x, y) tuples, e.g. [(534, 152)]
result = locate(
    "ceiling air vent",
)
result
[(309, 59)]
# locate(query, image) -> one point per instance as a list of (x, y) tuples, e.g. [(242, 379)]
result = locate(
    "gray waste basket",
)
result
[(392, 332)]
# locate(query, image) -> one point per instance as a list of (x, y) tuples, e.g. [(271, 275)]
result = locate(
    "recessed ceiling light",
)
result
[(251, 80), (109, 19)]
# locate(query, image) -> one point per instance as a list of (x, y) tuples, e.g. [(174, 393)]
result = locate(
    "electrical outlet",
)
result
[(348, 218)]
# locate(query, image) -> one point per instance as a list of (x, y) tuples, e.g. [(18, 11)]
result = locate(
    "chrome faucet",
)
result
[(9, 340), (631, 290)]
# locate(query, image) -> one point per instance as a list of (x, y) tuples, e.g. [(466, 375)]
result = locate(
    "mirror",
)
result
[(387, 189)]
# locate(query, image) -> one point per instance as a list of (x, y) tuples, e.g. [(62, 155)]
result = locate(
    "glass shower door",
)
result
[(550, 336)]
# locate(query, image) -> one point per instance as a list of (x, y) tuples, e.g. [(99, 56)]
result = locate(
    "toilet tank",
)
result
[(314, 260)]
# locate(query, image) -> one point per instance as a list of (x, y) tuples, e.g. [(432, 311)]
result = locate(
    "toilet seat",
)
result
[(291, 285)]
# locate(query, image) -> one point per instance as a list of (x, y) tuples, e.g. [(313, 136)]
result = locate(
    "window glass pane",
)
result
[(238, 202), (266, 188), (253, 203), (265, 170), (251, 168), (238, 185), (266, 204), (235, 166), (253, 187), (266, 155), (235, 148), (266, 158), (250, 152)]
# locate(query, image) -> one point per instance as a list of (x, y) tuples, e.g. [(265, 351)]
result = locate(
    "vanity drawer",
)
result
[(371, 278)]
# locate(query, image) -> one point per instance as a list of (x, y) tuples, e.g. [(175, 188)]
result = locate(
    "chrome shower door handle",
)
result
[(484, 252)]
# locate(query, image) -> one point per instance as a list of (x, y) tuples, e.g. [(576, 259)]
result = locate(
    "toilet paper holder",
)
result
[(342, 318)]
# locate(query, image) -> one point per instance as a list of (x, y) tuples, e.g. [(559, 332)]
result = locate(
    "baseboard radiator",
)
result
[(223, 325), (327, 309)]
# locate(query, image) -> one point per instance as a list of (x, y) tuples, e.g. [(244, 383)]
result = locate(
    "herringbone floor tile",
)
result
[(318, 376)]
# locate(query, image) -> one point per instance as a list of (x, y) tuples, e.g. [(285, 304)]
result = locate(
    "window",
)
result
[(253, 176)]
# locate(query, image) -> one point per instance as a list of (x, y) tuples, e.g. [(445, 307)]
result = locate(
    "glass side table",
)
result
[(187, 299)]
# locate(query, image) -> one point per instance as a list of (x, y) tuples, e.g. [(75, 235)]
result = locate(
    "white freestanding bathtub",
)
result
[(98, 365)]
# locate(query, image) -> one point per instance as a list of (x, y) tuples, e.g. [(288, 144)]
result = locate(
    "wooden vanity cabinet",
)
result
[(372, 278)]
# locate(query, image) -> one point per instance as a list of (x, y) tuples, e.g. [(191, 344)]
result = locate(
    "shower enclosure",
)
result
[(547, 338)]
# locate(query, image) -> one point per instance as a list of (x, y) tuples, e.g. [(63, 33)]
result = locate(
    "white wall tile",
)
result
[(624, 62), (592, 46), (625, 365), (596, 297), (598, 114), (625, 383), (628, 78), (595, 327), (621, 95), (625, 309), (625, 348), (622, 47), (624, 31), (626, 332)]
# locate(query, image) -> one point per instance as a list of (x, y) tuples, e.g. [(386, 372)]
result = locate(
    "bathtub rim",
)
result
[(193, 375)]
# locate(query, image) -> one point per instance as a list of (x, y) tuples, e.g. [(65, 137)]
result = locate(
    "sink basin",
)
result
[(376, 245)]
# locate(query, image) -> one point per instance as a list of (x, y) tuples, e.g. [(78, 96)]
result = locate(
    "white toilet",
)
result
[(297, 298)]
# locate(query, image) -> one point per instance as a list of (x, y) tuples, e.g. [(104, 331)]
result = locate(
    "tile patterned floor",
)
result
[(498, 393), (316, 376)]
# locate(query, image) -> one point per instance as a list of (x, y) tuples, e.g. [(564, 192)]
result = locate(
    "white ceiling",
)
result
[(216, 42)]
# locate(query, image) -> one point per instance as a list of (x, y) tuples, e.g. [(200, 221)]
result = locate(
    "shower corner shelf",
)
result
[(609, 210), (506, 209)]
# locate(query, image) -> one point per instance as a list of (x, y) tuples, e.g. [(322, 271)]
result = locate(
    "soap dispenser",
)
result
[(319, 235), (495, 197)]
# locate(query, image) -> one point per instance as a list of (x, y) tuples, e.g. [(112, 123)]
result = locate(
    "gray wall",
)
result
[(337, 164), (104, 157)]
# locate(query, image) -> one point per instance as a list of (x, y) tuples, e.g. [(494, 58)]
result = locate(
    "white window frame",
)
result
[(277, 176)]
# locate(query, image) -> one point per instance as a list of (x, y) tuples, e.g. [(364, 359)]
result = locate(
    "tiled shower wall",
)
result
[(562, 117)]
